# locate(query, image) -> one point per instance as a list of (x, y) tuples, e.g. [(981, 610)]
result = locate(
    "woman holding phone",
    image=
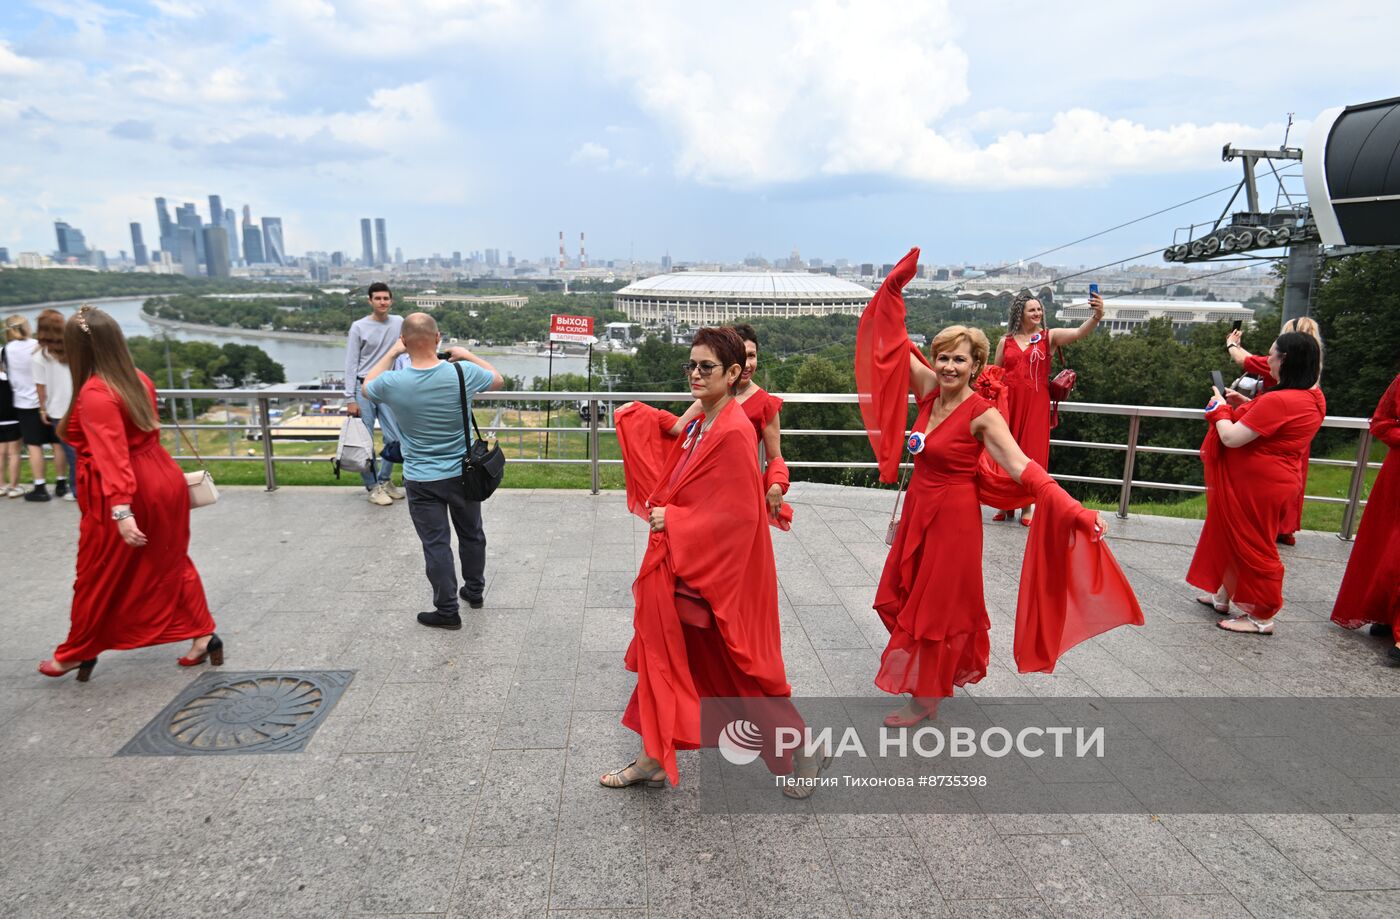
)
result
[(1258, 366), (1251, 455), (1024, 352)]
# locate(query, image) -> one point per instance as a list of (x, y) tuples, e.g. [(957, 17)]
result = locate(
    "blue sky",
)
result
[(981, 132)]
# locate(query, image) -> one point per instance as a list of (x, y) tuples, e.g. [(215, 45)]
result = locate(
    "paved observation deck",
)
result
[(457, 775)]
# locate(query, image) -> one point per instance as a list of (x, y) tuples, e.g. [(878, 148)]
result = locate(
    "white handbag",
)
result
[(201, 483)]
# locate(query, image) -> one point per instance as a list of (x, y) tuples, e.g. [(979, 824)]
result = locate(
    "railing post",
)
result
[(593, 440), (1358, 478), (1129, 460), (269, 468)]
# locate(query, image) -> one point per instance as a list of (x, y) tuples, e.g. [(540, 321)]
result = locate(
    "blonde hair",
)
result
[(16, 328), (953, 336), (1308, 326)]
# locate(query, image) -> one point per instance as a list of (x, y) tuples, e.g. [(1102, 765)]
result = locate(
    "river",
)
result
[(303, 360)]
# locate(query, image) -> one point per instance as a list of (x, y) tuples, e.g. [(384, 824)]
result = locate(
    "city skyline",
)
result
[(982, 134)]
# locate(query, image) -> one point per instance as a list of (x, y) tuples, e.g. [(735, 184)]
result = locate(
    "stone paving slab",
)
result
[(457, 775)]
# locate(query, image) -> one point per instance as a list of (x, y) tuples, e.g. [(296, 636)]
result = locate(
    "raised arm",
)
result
[(458, 353), (1059, 337), (1236, 350), (1232, 433), (922, 379)]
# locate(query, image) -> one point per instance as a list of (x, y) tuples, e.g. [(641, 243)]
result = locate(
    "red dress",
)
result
[(125, 597), (1258, 365), (719, 638), (761, 408), (1248, 490), (1370, 589), (930, 593), (1028, 395)]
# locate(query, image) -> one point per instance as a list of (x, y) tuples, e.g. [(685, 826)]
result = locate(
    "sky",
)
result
[(982, 132)]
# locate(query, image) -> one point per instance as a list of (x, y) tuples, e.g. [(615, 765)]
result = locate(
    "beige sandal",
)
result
[(1247, 625), (617, 779), (803, 792)]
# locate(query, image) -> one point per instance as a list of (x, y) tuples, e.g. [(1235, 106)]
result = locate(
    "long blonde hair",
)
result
[(1308, 326), (96, 347)]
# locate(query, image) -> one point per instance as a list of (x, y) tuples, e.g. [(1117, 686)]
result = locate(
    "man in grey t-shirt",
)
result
[(370, 339)]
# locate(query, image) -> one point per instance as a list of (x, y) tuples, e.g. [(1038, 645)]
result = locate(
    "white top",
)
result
[(19, 356), (57, 383)]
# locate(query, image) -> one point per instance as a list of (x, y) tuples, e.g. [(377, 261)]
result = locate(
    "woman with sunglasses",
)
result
[(1024, 352), (930, 595), (706, 621), (761, 408)]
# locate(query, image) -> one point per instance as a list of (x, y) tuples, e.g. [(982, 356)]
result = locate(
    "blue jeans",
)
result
[(72, 459), (368, 412)]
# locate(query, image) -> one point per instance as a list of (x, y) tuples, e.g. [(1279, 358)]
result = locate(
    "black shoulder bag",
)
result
[(484, 465)]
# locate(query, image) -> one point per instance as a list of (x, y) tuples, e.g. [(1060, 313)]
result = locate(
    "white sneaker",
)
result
[(14, 491), (379, 496), (69, 496), (394, 491)]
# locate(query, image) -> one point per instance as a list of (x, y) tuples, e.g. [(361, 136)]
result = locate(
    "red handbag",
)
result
[(1061, 385)]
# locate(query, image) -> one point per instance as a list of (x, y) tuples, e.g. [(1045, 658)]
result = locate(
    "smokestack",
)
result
[(563, 259), (582, 254)]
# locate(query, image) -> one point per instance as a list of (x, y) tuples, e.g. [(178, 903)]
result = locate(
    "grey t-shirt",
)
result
[(369, 341)]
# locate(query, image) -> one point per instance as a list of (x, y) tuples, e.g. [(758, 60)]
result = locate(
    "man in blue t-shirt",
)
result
[(425, 399)]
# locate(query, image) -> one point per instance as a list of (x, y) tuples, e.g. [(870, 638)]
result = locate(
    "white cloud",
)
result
[(12, 65), (591, 154)]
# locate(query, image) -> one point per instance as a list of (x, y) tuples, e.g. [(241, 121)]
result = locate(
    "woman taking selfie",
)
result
[(1024, 352), (135, 584), (1251, 455)]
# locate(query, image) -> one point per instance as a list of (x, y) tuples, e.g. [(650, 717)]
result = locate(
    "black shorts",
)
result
[(32, 429), (9, 431)]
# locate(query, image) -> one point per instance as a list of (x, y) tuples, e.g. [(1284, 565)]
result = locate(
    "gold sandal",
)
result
[(615, 778), (803, 792)]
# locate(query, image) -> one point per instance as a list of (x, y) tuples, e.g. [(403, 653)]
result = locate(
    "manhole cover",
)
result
[(253, 712)]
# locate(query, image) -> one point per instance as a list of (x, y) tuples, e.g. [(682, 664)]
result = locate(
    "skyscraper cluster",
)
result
[(374, 250), (212, 248)]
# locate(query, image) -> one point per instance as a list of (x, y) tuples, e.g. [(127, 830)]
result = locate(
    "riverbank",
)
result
[(56, 304), (277, 334)]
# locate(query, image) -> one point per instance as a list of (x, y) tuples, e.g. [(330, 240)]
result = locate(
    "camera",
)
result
[(1248, 386), (444, 355)]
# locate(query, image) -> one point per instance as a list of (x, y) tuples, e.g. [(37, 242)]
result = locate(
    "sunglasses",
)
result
[(705, 367)]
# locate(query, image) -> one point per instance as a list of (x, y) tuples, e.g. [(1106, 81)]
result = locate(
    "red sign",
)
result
[(577, 329)]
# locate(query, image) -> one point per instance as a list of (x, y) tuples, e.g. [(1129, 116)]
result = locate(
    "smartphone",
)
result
[(1218, 381), (1093, 289), (444, 355), (1235, 326)]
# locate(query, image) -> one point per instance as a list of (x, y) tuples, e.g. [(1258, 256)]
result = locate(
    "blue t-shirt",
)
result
[(429, 413)]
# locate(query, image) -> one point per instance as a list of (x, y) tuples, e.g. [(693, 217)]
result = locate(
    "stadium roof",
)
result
[(763, 284)]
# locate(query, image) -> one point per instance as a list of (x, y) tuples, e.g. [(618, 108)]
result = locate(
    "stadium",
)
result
[(712, 298)]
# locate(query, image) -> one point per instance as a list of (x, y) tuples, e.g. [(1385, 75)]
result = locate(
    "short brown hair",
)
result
[(50, 334), (746, 332), (954, 335), (726, 344)]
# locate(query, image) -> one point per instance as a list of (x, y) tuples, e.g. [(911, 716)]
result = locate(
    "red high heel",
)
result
[(999, 516), (214, 651), (84, 669)]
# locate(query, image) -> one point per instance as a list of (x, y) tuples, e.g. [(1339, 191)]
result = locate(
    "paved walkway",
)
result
[(457, 776)]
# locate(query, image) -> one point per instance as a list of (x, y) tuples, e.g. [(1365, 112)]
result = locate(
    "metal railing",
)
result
[(264, 399)]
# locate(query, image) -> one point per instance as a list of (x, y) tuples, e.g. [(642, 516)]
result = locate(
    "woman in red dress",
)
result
[(706, 621), (930, 594), (1257, 365), (135, 584), (1251, 455), (1370, 590), (761, 408), (1025, 355)]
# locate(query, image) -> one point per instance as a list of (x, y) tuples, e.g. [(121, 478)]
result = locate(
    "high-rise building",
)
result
[(4, 255), (165, 226), (70, 242), (381, 241), (231, 227), (337, 259), (216, 251), (252, 244), (366, 243), (138, 247), (274, 250), (187, 218), (187, 250), (398, 255)]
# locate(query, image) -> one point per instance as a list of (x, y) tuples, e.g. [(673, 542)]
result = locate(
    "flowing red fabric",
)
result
[(1370, 590), (125, 597), (1028, 396), (1248, 491), (882, 367), (931, 601), (717, 542)]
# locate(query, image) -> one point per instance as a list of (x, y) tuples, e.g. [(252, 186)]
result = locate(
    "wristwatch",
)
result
[(122, 515)]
